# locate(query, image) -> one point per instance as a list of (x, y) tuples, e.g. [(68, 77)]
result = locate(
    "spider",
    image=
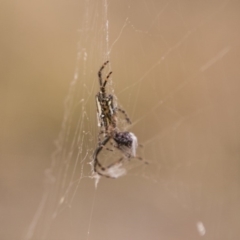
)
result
[(126, 142)]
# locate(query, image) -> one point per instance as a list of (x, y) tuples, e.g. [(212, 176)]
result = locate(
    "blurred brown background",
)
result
[(175, 71)]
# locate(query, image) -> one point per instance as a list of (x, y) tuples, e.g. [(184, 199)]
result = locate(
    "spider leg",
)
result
[(112, 143), (99, 138), (118, 162), (100, 72), (105, 82), (95, 155), (115, 163), (110, 149), (100, 143), (105, 172), (125, 114), (139, 158)]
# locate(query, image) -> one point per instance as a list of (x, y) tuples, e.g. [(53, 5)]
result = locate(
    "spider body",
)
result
[(126, 142), (105, 111)]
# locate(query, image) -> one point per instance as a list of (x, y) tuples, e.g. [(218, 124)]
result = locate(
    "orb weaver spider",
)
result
[(126, 142)]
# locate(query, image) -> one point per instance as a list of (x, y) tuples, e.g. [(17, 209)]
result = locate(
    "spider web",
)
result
[(174, 74)]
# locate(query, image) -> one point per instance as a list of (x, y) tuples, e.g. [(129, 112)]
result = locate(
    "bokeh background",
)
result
[(175, 71)]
